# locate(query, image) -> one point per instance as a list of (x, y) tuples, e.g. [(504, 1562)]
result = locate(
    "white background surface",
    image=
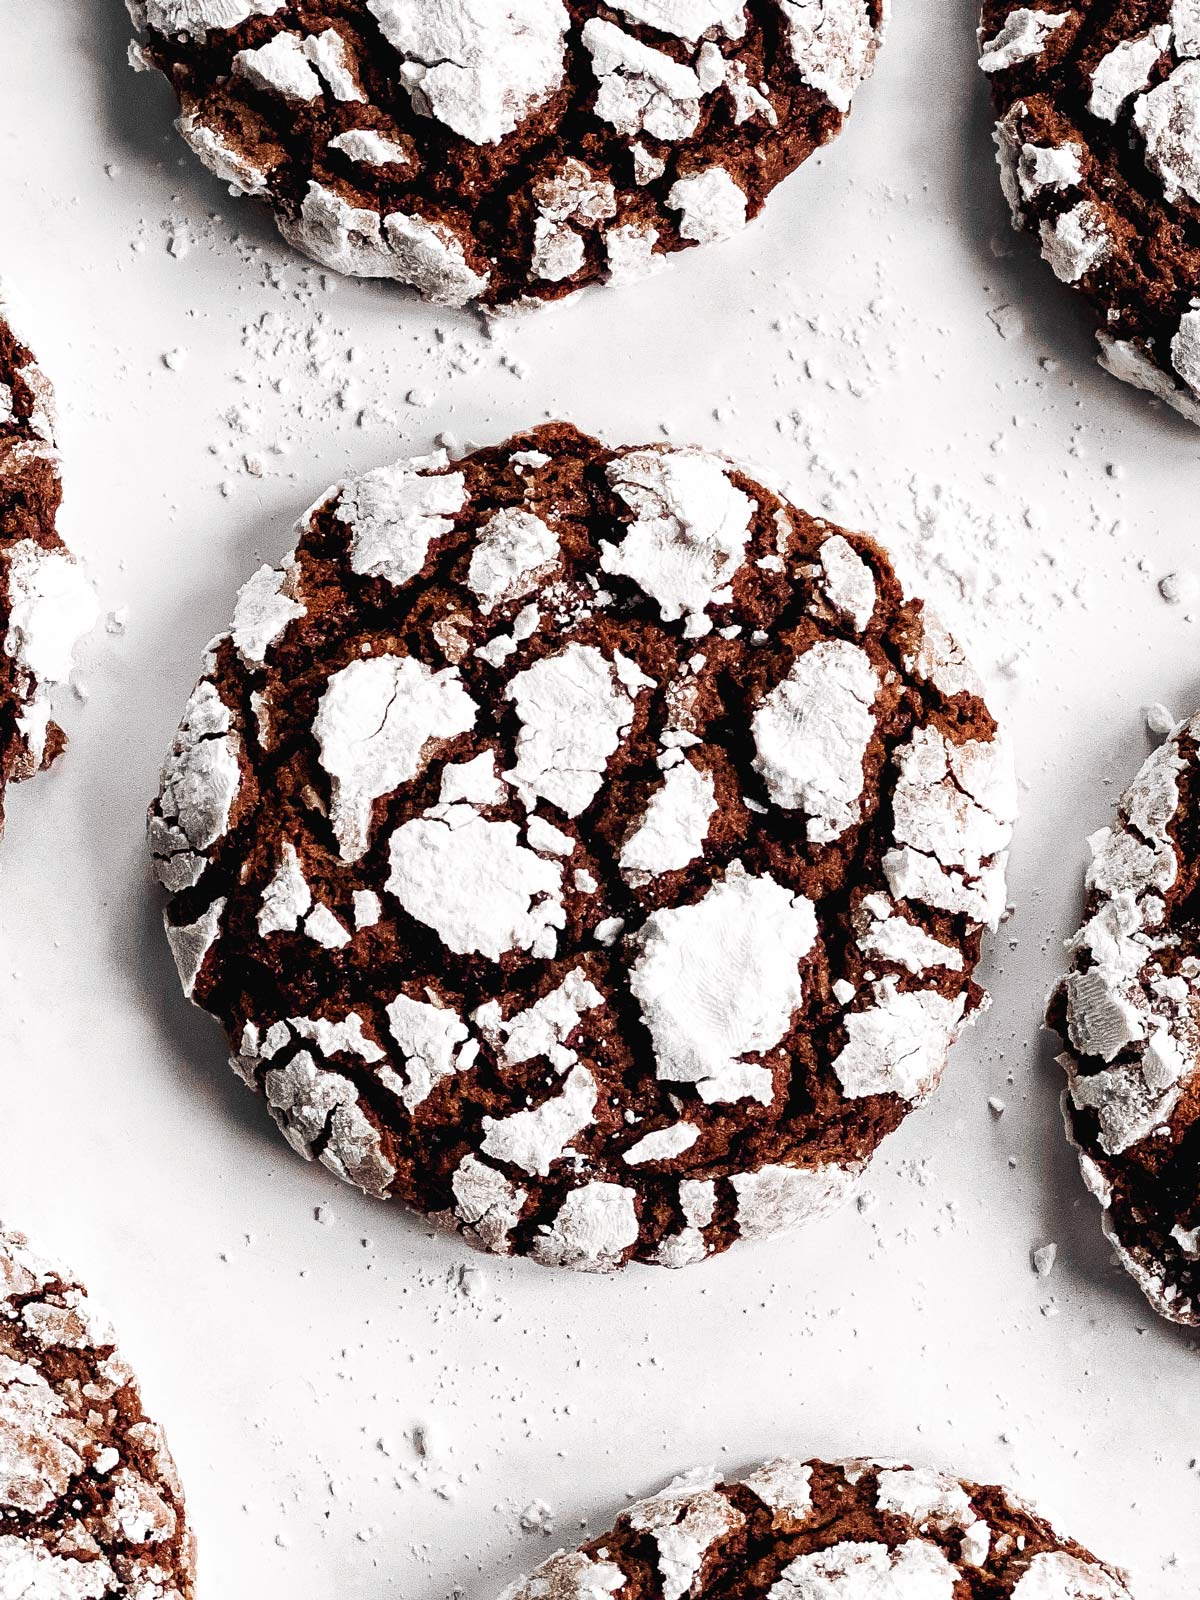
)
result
[(845, 345)]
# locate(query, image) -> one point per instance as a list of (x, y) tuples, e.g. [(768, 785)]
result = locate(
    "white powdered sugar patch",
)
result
[(198, 787), (191, 942), (195, 18), (263, 610), (1024, 35), (776, 1199), (594, 1228), (51, 605), (848, 581), (475, 884), (685, 1520), (688, 19), (481, 67), (641, 90), (1054, 1575), (689, 536), (412, 249), (280, 67), (534, 1139), (833, 44), (369, 148), (394, 515), (569, 1575), (953, 808), (543, 1028), (911, 1571), (376, 724), (1076, 242), (224, 160), (435, 1042), (711, 205), (785, 1485), (487, 1203), (1168, 119), (811, 733), (672, 830), (898, 1045), (1125, 71), (574, 708), (719, 981), (664, 1144), (287, 898), (514, 553), (1185, 349)]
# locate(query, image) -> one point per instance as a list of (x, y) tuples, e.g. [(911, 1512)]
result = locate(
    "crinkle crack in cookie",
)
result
[(1099, 150), (585, 846), (46, 602), (814, 1530), (90, 1505), (507, 150), (1128, 1014)]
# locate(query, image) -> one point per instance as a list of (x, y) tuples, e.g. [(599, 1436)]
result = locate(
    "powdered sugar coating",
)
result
[(402, 139), (1126, 1015), (497, 897), (1099, 149), (91, 1502), (815, 1530), (46, 602)]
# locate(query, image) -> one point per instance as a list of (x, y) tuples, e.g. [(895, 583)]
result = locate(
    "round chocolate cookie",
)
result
[(584, 846), (816, 1530), (90, 1505), (507, 150), (46, 603), (1128, 1014), (1099, 150)]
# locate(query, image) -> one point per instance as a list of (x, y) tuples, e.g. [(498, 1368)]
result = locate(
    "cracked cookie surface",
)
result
[(46, 602), (816, 1530), (1099, 149), (90, 1504), (507, 151), (1128, 1014), (584, 846)]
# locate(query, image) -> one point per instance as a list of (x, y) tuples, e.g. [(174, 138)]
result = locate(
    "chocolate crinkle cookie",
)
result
[(1099, 150), (90, 1504), (815, 1530), (507, 150), (1127, 1016), (585, 846), (46, 602)]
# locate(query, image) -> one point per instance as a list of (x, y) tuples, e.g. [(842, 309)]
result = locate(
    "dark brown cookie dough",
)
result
[(1127, 1015), (585, 846), (507, 150), (45, 601), (90, 1504), (1099, 150), (816, 1530)]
